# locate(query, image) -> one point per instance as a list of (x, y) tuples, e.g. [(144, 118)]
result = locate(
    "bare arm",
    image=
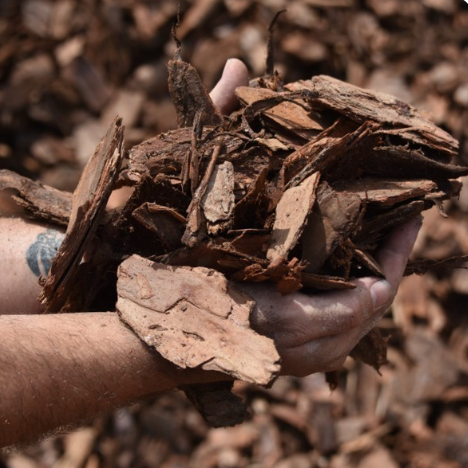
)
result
[(57, 370), (27, 250)]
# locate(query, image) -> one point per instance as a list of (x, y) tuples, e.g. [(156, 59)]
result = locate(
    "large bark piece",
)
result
[(89, 201), (361, 105), (194, 318)]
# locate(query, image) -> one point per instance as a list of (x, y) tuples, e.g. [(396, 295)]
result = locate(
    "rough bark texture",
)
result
[(194, 318), (89, 201), (40, 201)]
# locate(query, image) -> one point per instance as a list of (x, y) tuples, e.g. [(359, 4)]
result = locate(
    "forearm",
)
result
[(58, 370)]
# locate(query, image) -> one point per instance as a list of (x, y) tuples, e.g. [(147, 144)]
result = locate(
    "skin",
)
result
[(60, 370)]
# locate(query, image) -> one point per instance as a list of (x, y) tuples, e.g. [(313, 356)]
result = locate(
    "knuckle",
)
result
[(360, 307)]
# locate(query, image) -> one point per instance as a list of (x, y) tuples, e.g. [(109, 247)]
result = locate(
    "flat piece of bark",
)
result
[(324, 282), (189, 96), (40, 201), (386, 192), (292, 212), (89, 202), (218, 201), (194, 318), (333, 220), (362, 105), (287, 114)]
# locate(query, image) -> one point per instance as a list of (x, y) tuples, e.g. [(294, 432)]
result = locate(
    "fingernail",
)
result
[(380, 293)]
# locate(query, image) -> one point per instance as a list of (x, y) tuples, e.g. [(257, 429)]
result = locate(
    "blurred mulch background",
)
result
[(68, 67)]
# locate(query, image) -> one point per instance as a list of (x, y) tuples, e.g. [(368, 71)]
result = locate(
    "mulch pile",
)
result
[(59, 93)]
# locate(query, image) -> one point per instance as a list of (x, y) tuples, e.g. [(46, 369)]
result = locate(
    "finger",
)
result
[(235, 74), (297, 318), (323, 354), (394, 253), (328, 353)]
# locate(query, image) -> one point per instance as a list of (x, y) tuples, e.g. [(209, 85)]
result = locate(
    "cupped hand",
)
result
[(316, 333)]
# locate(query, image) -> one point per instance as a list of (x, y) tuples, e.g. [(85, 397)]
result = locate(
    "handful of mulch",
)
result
[(297, 188)]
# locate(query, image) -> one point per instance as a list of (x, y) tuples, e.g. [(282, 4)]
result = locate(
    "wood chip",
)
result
[(218, 201), (291, 217), (42, 202)]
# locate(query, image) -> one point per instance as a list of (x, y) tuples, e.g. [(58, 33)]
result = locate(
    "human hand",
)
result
[(235, 74), (317, 333)]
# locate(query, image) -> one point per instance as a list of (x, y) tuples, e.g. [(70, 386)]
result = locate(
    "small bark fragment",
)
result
[(196, 228), (372, 350), (189, 96), (218, 200), (366, 260), (422, 266), (291, 216), (40, 201), (217, 404), (324, 282), (386, 193), (397, 161), (333, 219), (166, 223)]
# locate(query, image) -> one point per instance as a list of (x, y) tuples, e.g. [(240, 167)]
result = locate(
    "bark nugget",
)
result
[(298, 188)]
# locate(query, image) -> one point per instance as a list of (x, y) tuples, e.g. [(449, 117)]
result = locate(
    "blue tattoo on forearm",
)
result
[(40, 254)]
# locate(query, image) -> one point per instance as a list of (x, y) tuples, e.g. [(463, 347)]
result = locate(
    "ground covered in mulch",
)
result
[(67, 68)]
